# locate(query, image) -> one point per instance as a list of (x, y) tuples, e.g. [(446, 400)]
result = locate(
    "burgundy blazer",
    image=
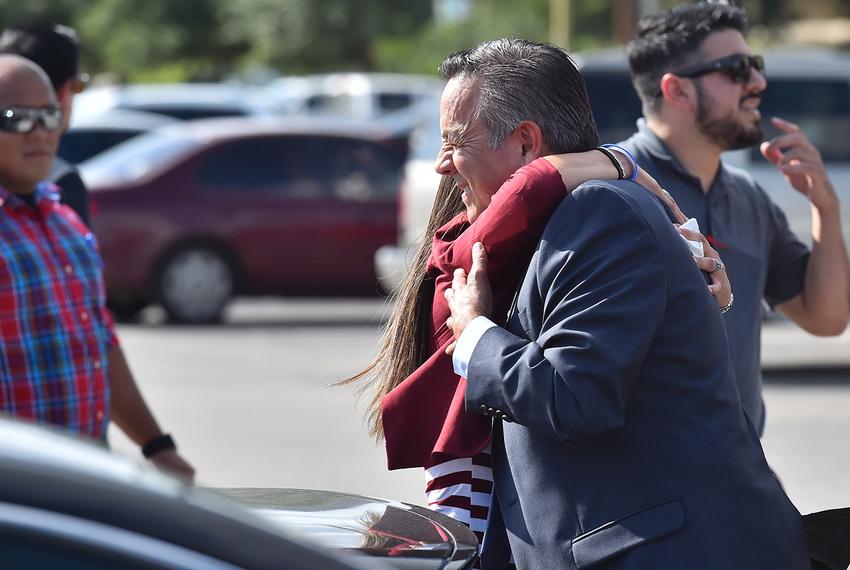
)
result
[(424, 418)]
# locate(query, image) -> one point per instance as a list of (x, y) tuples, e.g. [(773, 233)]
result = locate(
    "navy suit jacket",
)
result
[(624, 444)]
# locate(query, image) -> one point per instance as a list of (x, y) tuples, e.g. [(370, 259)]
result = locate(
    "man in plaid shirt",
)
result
[(60, 360)]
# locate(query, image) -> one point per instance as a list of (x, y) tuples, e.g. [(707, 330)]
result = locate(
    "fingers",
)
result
[(791, 146), (696, 236), (770, 153), (786, 152), (719, 284), (785, 126), (796, 168), (458, 281), (786, 141), (478, 270), (451, 348), (674, 207), (707, 250), (709, 264)]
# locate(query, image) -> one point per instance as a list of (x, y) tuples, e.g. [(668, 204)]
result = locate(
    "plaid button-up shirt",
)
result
[(55, 331)]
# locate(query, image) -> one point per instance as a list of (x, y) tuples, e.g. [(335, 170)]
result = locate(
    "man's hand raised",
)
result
[(801, 163), (470, 295)]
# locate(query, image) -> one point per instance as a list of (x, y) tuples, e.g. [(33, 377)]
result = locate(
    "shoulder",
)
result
[(606, 196), (613, 218), (607, 206)]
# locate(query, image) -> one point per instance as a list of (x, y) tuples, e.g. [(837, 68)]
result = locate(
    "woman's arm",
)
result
[(575, 172), (520, 209)]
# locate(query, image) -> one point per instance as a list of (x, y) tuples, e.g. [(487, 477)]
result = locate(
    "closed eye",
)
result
[(453, 139)]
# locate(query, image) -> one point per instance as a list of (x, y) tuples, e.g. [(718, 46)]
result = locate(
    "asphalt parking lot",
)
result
[(251, 403)]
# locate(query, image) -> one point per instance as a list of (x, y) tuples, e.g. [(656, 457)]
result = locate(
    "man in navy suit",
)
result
[(619, 439)]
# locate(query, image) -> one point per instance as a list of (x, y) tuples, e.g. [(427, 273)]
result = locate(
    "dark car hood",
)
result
[(405, 536)]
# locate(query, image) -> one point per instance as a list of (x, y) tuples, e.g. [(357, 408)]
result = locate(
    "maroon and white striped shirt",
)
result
[(462, 488)]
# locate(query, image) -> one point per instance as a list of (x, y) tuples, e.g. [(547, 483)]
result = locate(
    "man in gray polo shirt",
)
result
[(701, 87)]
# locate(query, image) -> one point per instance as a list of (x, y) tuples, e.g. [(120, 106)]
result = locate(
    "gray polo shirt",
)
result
[(763, 258)]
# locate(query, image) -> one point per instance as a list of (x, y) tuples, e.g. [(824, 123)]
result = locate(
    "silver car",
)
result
[(71, 504)]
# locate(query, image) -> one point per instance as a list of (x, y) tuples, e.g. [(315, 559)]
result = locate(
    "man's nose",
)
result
[(757, 82), (39, 132), (444, 164)]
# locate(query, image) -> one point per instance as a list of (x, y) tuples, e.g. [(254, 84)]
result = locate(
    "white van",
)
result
[(808, 87)]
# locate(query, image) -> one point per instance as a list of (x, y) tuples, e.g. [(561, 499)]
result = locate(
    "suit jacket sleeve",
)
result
[(598, 292)]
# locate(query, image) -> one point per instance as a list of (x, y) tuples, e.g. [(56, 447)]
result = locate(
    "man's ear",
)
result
[(65, 96), (678, 92), (64, 93), (530, 139)]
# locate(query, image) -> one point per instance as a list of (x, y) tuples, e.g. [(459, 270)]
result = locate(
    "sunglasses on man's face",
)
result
[(22, 120), (737, 66)]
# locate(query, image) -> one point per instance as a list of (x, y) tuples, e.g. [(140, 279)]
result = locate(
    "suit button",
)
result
[(483, 408), (505, 418), (490, 411)]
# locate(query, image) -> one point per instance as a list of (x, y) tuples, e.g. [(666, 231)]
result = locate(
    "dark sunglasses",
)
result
[(737, 66), (24, 119)]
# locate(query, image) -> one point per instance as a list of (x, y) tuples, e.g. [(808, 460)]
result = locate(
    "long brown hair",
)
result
[(404, 341)]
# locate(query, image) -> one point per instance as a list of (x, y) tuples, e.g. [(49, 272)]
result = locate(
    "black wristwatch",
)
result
[(157, 444)]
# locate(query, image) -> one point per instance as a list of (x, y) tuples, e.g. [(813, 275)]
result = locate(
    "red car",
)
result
[(192, 214)]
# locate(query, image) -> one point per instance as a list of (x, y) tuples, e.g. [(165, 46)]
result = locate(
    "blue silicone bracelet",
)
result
[(633, 177)]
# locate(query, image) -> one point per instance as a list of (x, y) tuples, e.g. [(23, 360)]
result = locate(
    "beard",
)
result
[(728, 132)]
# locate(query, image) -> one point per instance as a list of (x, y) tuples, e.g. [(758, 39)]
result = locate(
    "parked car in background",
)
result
[(93, 133), (360, 96), (194, 213), (184, 101), (808, 87), (66, 503), (416, 198)]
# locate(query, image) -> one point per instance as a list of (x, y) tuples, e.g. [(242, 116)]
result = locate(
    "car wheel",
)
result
[(195, 284)]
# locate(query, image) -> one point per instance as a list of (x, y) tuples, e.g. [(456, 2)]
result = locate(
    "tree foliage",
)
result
[(167, 40)]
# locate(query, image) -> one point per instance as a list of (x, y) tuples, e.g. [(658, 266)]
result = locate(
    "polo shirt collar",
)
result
[(46, 193), (652, 144)]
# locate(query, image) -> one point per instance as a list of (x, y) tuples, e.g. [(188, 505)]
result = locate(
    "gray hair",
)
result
[(521, 81)]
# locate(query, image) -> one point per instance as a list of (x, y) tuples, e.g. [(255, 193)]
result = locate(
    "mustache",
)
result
[(752, 96)]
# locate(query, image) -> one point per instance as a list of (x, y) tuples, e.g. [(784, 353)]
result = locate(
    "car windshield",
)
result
[(137, 157)]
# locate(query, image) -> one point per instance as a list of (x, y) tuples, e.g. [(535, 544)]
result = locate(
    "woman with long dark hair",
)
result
[(416, 403)]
